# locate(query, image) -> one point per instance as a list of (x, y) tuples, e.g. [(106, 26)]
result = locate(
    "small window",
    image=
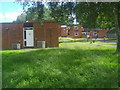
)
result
[(68, 32), (28, 28), (25, 43), (68, 27), (95, 33), (76, 33), (24, 34), (64, 30), (84, 33), (75, 27), (88, 33)]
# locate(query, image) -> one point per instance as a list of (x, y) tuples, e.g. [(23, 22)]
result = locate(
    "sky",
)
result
[(9, 10)]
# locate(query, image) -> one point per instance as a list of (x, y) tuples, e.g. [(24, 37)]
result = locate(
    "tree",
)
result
[(90, 14), (32, 14), (47, 13), (35, 9), (21, 18), (63, 11), (102, 14)]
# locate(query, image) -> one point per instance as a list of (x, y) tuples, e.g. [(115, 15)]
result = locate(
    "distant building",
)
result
[(77, 31), (111, 33)]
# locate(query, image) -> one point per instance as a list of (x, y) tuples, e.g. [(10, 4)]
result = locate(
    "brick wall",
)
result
[(101, 33), (64, 31), (51, 34), (13, 33)]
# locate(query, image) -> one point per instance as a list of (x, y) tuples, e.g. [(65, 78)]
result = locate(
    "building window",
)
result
[(64, 30), (75, 27), (76, 33), (68, 32), (95, 33), (25, 43), (84, 33), (28, 28), (24, 34), (88, 33), (68, 27)]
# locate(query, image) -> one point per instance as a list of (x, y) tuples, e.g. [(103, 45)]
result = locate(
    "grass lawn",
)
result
[(72, 65), (112, 39), (66, 40)]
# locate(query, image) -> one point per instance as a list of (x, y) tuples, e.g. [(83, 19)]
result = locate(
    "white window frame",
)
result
[(64, 30), (84, 33), (68, 27), (76, 33), (75, 27)]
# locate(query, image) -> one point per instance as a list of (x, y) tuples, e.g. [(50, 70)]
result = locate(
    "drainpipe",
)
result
[(44, 33), (8, 36)]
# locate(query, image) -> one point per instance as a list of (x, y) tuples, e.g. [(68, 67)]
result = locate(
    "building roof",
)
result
[(87, 29), (44, 21), (63, 26)]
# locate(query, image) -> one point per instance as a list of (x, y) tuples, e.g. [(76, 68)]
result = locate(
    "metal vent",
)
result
[(15, 46), (40, 44)]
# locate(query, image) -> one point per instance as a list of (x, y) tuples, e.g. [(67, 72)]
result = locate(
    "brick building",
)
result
[(30, 34), (93, 32), (77, 31), (73, 31)]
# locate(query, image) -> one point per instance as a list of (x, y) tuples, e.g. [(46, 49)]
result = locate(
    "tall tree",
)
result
[(102, 14), (62, 12), (35, 9), (21, 18)]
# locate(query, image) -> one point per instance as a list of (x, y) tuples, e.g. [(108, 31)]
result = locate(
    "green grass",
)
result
[(112, 39), (104, 43), (67, 40), (72, 65)]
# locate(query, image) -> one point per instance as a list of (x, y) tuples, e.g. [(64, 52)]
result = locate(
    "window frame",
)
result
[(75, 27), (76, 33)]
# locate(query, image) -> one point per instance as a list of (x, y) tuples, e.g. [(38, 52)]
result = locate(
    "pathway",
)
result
[(106, 45), (106, 41), (102, 40)]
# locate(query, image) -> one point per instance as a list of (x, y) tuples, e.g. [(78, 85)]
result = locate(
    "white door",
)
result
[(29, 40)]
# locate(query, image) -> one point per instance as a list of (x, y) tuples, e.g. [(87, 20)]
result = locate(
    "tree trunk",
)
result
[(118, 41), (118, 38), (117, 25)]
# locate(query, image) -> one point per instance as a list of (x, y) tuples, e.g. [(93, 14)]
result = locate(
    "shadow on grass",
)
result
[(60, 68)]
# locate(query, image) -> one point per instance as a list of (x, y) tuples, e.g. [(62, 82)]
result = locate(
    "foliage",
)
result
[(63, 11), (73, 65), (96, 14), (35, 10), (32, 14), (100, 14), (21, 18)]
